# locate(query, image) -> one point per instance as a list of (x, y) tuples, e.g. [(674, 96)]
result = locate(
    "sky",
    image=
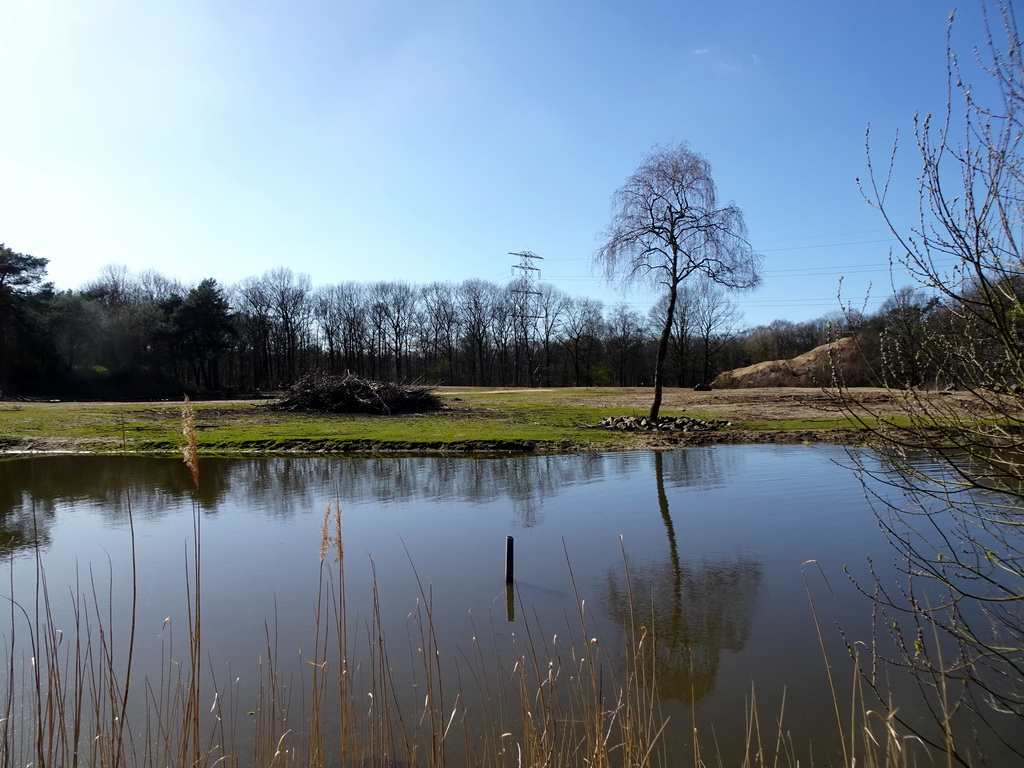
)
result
[(426, 140)]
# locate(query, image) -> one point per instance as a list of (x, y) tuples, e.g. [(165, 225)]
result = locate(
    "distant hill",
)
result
[(811, 369)]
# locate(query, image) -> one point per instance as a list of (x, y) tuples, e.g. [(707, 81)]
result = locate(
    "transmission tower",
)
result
[(525, 276)]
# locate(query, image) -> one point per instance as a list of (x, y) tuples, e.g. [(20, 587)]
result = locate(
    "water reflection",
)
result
[(695, 469), (22, 528), (697, 611), (285, 487), (528, 480), (708, 534)]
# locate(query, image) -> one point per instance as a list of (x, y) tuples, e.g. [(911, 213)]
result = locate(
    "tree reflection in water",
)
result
[(33, 489), (697, 611), (21, 529)]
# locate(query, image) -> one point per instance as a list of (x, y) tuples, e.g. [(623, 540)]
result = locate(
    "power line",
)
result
[(838, 234), (831, 267), (826, 271), (891, 239), (827, 245)]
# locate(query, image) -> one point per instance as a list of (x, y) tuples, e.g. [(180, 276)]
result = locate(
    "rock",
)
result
[(669, 423)]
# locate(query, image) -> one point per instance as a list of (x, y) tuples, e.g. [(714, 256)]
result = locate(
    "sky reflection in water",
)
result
[(714, 539)]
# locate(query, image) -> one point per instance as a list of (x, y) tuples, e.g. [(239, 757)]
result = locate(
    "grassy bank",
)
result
[(471, 420)]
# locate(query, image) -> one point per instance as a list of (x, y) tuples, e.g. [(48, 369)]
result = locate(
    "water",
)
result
[(725, 547)]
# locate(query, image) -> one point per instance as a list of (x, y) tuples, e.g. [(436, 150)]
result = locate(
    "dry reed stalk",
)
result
[(191, 447), (270, 747), (190, 733), (847, 755), (330, 541), (7, 721), (857, 730), (338, 613)]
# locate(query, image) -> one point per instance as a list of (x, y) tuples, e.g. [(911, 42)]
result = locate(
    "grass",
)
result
[(500, 424), (473, 420)]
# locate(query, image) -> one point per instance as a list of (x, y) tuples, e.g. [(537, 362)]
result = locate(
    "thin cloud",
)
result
[(726, 62)]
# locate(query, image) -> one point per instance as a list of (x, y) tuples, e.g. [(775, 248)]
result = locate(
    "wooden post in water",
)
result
[(509, 548), (510, 598)]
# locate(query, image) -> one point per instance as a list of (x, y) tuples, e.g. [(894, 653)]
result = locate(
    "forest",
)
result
[(139, 335)]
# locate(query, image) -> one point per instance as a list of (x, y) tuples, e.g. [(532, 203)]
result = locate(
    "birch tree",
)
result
[(667, 224)]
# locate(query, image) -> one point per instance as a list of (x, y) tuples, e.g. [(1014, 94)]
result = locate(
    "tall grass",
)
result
[(73, 697)]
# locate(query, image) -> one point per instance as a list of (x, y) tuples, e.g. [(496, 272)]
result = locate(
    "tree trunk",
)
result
[(659, 366), (707, 358)]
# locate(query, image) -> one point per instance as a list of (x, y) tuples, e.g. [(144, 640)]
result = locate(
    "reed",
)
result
[(360, 698)]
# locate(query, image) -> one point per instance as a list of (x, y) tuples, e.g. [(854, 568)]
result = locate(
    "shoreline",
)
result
[(471, 422), (725, 436)]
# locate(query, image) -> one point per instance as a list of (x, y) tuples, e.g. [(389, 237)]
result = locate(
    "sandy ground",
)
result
[(760, 404), (765, 404), (744, 405)]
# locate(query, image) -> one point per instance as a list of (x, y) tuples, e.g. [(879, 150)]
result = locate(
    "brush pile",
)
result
[(324, 393)]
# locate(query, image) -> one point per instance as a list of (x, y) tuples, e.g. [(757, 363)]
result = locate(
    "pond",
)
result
[(716, 542)]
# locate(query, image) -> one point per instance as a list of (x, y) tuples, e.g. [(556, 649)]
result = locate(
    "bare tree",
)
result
[(523, 296), (582, 323), (681, 338), (442, 326), (626, 339), (551, 305), (377, 330), (399, 301), (129, 319), (784, 339), (503, 332), (328, 317), (716, 319), (477, 299), (667, 225), (957, 614), (115, 286), (351, 299), (154, 287), (253, 298), (289, 295), (905, 333)]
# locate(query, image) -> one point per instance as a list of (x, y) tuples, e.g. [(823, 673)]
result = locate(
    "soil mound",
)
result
[(811, 369)]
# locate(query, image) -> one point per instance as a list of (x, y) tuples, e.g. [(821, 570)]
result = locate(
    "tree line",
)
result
[(143, 334)]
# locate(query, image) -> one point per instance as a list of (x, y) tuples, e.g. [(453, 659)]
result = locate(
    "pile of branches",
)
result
[(325, 393)]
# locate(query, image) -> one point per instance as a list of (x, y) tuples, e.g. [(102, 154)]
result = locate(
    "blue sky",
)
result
[(423, 140)]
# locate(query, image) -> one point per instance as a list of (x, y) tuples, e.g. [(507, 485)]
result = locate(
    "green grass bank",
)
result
[(477, 420)]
